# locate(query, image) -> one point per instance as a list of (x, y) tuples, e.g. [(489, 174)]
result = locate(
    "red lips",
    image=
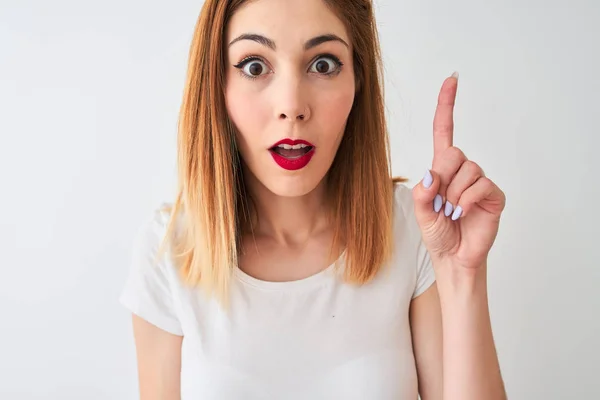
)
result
[(292, 142), (292, 162)]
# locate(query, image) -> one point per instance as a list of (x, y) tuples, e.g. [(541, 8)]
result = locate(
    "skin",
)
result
[(292, 230), (459, 237), (158, 360), (451, 330)]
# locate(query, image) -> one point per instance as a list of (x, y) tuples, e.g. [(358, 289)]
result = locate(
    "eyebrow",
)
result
[(265, 41)]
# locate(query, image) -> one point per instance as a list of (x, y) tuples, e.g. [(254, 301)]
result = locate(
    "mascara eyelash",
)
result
[(246, 60), (337, 61), (240, 65), (334, 58)]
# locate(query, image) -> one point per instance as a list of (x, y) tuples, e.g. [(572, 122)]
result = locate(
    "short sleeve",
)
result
[(425, 276), (148, 291)]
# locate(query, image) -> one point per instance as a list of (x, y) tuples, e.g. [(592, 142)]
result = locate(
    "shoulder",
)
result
[(150, 285), (402, 196), (154, 226), (409, 249), (147, 256), (404, 212)]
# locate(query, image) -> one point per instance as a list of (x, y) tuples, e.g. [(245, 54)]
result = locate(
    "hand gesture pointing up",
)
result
[(457, 207)]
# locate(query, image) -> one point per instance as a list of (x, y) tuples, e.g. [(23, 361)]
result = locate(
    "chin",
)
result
[(284, 183), (292, 186)]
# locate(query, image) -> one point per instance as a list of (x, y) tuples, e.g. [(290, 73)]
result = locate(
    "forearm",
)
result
[(470, 363)]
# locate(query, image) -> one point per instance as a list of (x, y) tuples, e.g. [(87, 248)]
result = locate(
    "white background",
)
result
[(89, 95)]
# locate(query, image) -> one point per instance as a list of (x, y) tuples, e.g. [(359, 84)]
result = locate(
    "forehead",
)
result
[(287, 22)]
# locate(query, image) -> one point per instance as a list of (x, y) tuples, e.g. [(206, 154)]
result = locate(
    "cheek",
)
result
[(247, 111), (333, 110)]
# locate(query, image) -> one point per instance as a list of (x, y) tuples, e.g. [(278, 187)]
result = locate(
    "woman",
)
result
[(296, 268)]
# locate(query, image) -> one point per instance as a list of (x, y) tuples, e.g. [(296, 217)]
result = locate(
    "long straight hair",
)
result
[(204, 231)]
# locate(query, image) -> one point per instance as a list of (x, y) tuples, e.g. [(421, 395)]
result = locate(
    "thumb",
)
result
[(427, 201)]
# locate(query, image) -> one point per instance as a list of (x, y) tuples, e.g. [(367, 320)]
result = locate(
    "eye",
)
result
[(252, 67), (326, 65)]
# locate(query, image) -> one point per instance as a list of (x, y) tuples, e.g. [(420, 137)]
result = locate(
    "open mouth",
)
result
[(292, 152)]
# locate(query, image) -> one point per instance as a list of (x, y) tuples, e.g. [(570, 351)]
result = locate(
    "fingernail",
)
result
[(437, 203), (448, 209), (454, 75), (457, 213), (428, 180)]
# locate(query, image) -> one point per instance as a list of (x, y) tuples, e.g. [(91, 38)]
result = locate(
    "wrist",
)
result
[(457, 281)]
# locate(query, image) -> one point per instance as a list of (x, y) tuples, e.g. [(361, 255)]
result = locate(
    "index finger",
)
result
[(443, 121)]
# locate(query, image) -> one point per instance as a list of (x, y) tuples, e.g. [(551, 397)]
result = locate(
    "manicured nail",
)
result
[(448, 209), (454, 75), (457, 213), (428, 180), (437, 203)]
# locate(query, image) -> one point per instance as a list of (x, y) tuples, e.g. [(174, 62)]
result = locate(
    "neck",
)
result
[(290, 221)]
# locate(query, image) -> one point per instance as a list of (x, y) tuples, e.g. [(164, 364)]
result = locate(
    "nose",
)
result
[(290, 103), (290, 115)]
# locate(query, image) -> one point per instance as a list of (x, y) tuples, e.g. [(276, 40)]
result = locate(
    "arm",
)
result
[(426, 329), (458, 240), (159, 361), (457, 316), (471, 368)]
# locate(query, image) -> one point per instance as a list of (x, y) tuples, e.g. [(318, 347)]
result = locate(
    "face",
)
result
[(290, 88)]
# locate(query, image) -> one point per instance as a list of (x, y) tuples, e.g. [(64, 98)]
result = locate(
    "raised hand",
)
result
[(457, 207)]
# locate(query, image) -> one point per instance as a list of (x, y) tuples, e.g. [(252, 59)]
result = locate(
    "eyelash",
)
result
[(249, 59)]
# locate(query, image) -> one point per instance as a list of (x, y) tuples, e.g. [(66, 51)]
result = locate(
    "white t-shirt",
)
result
[(315, 338)]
